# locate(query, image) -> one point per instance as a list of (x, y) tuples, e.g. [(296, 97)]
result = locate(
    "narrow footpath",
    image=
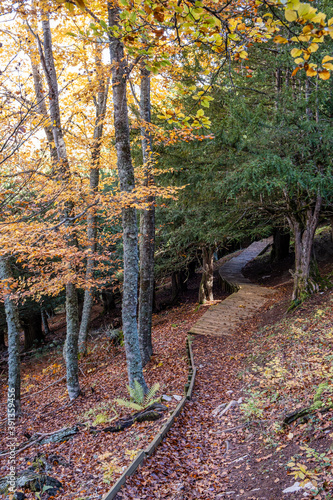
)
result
[(208, 450)]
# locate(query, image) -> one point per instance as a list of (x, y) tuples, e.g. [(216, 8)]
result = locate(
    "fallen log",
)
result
[(292, 417), (39, 439), (149, 414)]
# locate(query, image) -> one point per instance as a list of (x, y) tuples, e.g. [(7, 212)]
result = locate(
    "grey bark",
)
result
[(63, 171), (42, 109), (45, 322), (100, 105), (304, 228), (147, 228), (206, 285), (129, 220), (14, 328)]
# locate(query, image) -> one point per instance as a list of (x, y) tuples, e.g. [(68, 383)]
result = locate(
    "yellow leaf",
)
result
[(313, 47), (328, 66), (319, 18), (296, 52), (330, 21), (307, 29), (293, 4), (200, 112), (299, 60), (243, 54), (304, 38), (303, 9), (311, 72), (295, 71), (280, 39), (324, 74), (290, 15), (327, 58)]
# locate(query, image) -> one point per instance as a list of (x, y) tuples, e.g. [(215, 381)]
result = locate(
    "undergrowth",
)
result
[(291, 369)]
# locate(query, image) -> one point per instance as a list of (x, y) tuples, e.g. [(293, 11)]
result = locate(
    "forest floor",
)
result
[(276, 363)]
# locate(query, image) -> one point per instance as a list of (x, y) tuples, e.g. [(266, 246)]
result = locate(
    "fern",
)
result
[(139, 400), (137, 393), (128, 404)]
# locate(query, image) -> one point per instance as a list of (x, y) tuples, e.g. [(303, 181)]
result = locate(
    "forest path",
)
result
[(206, 455), (224, 318)]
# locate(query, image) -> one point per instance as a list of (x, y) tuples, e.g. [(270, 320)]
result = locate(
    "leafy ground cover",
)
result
[(276, 364), (87, 464)]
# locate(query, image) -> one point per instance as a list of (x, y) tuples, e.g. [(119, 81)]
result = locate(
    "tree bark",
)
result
[(281, 242), (63, 171), (206, 285), (100, 105), (45, 322), (32, 326), (129, 221), (147, 228), (304, 228), (42, 109), (14, 328)]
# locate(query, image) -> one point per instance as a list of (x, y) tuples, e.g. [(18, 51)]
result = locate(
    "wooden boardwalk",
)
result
[(222, 319)]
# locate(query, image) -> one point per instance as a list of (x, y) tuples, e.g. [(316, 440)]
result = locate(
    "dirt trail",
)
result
[(207, 456), (222, 319)]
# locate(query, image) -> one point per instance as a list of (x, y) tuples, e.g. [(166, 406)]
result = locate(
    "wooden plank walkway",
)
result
[(224, 318)]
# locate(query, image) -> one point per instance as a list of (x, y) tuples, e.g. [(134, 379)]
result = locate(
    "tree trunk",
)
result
[(147, 228), (109, 303), (71, 351), (32, 326), (178, 280), (42, 109), (2, 338), (45, 322), (305, 282), (100, 105), (63, 172), (129, 221), (13, 326), (281, 242), (206, 285)]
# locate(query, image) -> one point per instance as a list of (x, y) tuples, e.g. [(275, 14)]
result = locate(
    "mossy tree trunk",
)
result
[(14, 328), (303, 224), (100, 106), (147, 228), (64, 175), (120, 71)]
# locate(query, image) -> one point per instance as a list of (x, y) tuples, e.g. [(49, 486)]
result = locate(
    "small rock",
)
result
[(201, 366), (177, 398), (166, 398), (229, 392), (240, 401), (292, 489), (296, 487)]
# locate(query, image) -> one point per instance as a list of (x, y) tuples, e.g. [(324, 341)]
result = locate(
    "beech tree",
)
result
[(129, 219), (147, 226), (13, 328), (100, 101)]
